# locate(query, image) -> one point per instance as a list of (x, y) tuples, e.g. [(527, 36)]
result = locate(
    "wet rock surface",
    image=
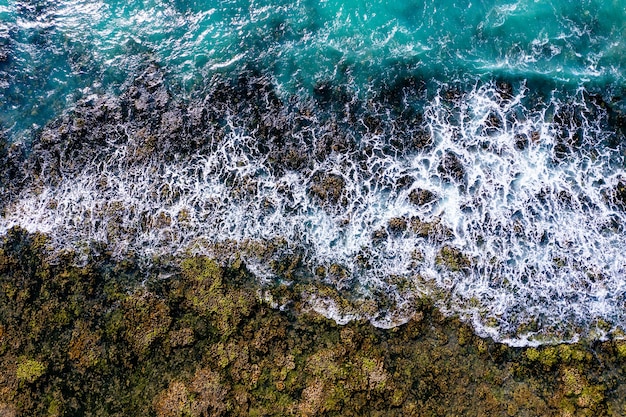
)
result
[(420, 196), (12, 175), (451, 168), (151, 122), (328, 188), (156, 171)]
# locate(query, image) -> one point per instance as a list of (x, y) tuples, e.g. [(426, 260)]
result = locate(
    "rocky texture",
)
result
[(152, 123), (421, 197), (94, 341), (328, 188), (199, 339), (11, 176)]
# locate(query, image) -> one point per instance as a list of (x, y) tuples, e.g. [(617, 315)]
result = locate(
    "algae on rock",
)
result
[(204, 342)]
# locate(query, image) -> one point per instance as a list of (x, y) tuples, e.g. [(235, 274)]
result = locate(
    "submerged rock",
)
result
[(618, 195), (421, 197), (451, 168)]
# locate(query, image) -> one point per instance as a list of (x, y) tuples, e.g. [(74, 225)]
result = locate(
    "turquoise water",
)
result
[(373, 138), (59, 51)]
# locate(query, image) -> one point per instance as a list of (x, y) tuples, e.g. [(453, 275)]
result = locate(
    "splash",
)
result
[(506, 209)]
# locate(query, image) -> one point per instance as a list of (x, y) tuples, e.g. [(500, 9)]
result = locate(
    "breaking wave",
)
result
[(505, 208)]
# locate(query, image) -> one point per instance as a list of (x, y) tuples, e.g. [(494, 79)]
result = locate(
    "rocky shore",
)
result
[(195, 339)]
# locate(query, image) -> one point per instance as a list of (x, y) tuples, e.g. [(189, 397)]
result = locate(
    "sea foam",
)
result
[(499, 207)]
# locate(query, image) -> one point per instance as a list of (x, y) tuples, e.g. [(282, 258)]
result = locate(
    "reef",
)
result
[(197, 338)]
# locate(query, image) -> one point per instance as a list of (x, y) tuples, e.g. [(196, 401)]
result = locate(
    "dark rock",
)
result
[(618, 195), (561, 150), (521, 142), (373, 124), (379, 235), (493, 124), (404, 181), (12, 174), (452, 94), (422, 139), (327, 188), (505, 90), (420, 196), (396, 93), (566, 199), (535, 137), (397, 225), (323, 92), (331, 96), (568, 124), (451, 168)]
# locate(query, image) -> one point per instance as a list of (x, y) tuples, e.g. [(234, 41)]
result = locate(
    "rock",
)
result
[(618, 195), (422, 139), (397, 225), (327, 188), (521, 142), (379, 236), (505, 90), (452, 258), (421, 197), (493, 124), (451, 168)]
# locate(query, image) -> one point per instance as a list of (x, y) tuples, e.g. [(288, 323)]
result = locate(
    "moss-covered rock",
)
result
[(30, 370), (452, 258), (101, 340)]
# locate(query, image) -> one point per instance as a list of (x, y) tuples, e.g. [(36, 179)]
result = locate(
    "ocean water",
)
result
[(469, 151)]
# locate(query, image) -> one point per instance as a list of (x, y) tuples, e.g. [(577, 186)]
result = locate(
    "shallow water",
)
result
[(470, 152)]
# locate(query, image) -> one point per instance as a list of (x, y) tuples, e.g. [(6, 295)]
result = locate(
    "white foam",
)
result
[(546, 264)]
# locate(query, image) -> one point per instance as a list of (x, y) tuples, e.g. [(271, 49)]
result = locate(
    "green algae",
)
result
[(206, 342), (30, 370)]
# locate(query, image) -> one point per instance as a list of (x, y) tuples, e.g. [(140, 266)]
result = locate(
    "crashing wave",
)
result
[(506, 209)]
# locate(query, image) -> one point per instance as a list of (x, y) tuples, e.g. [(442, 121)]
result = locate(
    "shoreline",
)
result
[(469, 197)]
